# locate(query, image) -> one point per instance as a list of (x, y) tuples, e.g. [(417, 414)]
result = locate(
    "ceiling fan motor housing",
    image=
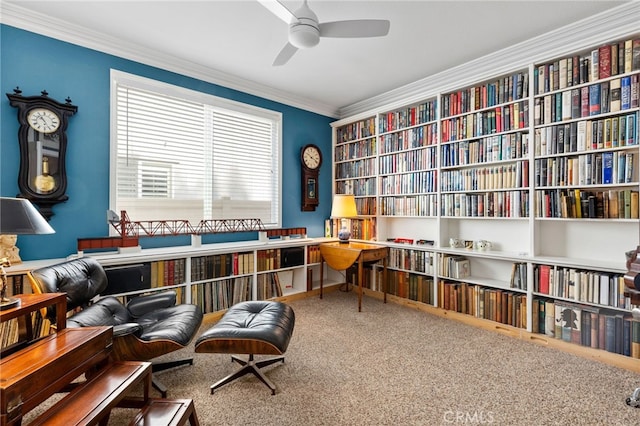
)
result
[(303, 29), (304, 34)]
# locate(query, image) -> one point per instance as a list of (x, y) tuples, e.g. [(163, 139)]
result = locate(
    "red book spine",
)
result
[(584, 102), (604, 59)]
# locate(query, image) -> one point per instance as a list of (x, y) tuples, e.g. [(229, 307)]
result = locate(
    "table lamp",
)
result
[(17, 216), (344, 206)]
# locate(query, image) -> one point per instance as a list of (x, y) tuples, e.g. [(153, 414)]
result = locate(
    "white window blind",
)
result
[(180, 154)]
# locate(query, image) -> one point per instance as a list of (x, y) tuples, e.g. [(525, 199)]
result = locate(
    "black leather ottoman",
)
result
[(253, 328)]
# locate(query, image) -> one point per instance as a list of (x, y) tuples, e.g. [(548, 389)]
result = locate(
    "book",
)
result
[(607, 167), (625, 92), (614, 92), (604, 61), (594, 98)]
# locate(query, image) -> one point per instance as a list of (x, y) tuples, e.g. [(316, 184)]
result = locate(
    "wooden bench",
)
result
[(91, 402), (169, 412)]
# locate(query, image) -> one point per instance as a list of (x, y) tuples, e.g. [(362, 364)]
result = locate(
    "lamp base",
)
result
[(8, 303), (343, 235)]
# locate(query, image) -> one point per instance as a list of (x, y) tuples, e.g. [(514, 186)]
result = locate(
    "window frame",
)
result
[(118, 77)]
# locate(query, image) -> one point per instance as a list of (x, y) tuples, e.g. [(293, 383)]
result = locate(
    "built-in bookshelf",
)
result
[(541, 162), (355, 158), (407, 160), (213, 276)]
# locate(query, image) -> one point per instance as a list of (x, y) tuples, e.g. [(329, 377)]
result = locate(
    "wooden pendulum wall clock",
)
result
[(42, 177), (311, 159)]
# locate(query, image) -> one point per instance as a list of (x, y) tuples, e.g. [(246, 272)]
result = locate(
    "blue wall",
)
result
[(36, 63)]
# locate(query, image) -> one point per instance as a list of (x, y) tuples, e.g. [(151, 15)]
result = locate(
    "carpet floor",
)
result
[(393, 365)]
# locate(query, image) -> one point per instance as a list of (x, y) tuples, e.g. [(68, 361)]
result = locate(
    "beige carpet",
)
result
[(392, 365)]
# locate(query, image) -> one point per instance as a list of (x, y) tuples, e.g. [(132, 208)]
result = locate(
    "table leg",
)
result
[(385, 284), (321, 274), (360, 272)]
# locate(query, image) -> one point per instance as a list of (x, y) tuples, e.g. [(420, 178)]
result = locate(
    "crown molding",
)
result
[(617, 22), (25, 19)]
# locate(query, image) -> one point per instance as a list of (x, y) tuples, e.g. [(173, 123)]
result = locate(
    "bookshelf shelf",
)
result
[(542, 162)]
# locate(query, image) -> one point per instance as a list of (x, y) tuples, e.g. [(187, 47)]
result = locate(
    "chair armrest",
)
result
[(127, 328), (142, 305)]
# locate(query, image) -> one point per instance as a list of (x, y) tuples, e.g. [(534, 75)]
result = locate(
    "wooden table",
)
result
[(341, 256)]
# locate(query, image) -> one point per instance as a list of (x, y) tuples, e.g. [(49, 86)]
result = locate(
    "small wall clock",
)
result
[(311, 160), (42, 177)]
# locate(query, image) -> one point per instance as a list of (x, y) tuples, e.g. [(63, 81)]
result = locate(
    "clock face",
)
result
[(43, 120), (311, 157)]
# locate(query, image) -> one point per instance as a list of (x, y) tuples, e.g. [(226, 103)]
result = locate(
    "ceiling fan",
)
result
[(305, 30)]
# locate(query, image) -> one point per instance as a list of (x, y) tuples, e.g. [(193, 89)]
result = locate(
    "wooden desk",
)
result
[(30, 303), (341, 256)]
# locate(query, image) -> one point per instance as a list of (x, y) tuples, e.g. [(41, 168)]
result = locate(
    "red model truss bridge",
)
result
[(131, 231)]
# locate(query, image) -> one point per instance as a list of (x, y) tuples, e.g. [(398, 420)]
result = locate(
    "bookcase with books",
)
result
[(407, 161), (355, 168), (543, 164), (586, 177)]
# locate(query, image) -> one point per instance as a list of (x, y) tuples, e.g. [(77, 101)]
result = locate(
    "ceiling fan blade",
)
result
[(355, 28), (285, 54), (279, 10)]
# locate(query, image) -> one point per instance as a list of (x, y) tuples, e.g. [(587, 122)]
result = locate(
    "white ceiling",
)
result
[(234, 43)]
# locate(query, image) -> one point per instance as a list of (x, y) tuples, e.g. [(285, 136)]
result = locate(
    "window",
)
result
[(181, 154)]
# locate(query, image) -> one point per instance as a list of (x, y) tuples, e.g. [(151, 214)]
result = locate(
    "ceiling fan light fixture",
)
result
[(304, 36)]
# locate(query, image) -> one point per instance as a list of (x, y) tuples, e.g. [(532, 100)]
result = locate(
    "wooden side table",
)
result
[(30, 303), (341, 256)]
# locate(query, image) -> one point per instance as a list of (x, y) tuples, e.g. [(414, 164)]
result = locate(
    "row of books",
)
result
[(355, 169), (408, 161), (454, 266), (10, 330), (168, 272), (597, 287), (357, 187), (503, 306), (18, 284), (313, 254), (271, 259), (361, 229), (221, 265), (518, 276), (603, 62), (411, 260), (408, 139), (586, 135), (488, 204), (362, 148), (619, 94), (578, 204), (357, 130), (509, 146), (269, 286), (412, 183), (505, 176), (221, 294), (506, 89), (501, 119), (366, 205), (587, 326), (411, 286), (409, 205), (601, 168), (410, 116)]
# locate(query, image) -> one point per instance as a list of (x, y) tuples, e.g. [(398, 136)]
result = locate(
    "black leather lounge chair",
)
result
[(147, 327)]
